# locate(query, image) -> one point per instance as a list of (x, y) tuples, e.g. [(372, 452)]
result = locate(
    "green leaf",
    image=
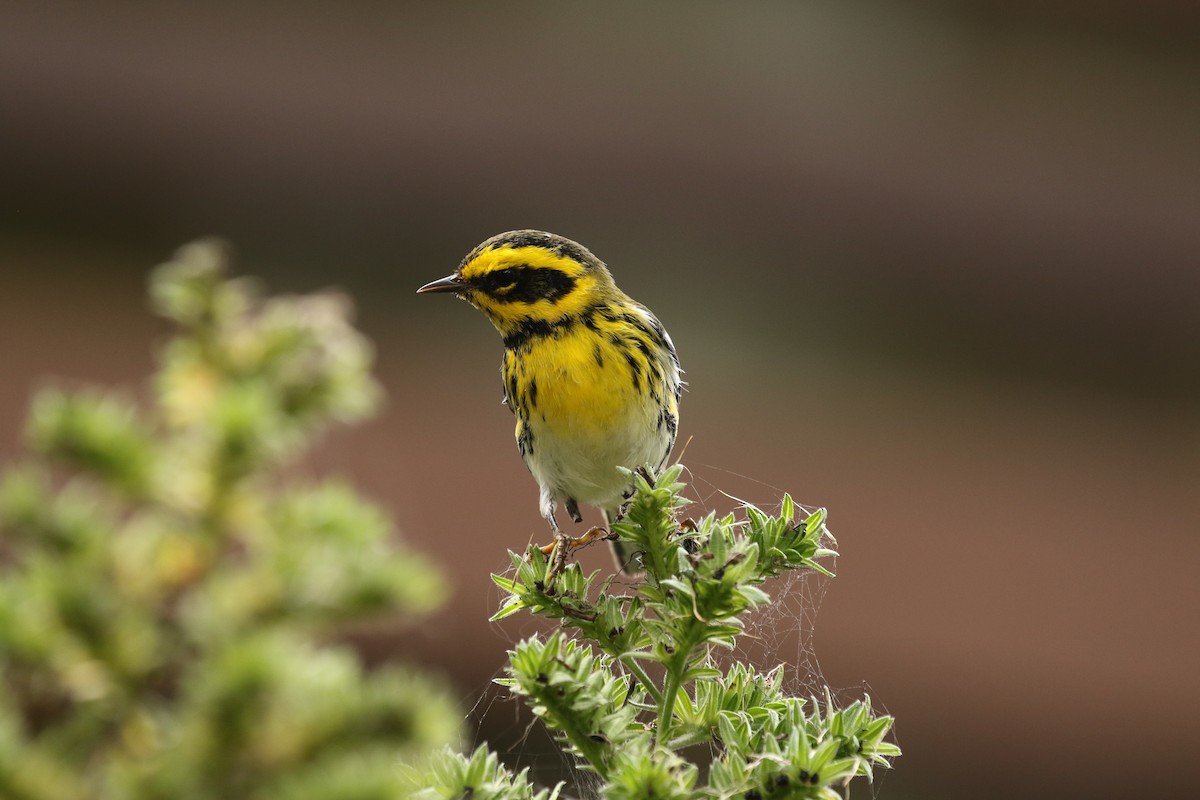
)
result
[(754, 595), (510, 607), (507, 584)]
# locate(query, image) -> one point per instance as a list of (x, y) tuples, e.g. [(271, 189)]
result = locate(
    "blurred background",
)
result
[(933, 265)]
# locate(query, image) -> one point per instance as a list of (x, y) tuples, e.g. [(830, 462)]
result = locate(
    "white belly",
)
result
[(584, 465)]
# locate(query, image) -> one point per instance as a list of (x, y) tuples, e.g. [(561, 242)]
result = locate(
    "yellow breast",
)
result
[(577, 385)]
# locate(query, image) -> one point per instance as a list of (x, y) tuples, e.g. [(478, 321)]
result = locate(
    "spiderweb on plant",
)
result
[(779, 633)]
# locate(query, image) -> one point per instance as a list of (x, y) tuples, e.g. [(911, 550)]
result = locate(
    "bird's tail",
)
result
[(627, 556)]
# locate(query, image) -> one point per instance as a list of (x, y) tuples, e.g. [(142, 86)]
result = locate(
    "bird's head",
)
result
[(527, 277)]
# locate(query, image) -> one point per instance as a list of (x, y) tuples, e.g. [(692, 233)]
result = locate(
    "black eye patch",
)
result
[(499, 282), (525, 284)]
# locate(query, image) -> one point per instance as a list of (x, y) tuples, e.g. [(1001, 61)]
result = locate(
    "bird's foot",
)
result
[(558, 556), (573, 543), (561, 548)]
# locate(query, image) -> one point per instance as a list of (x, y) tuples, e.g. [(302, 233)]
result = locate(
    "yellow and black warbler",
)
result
[(590, 374)]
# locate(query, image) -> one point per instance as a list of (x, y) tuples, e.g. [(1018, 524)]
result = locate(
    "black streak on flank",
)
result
[(596, 354), (636, 369), (525, 440), (513, 400), (655, 372), (667, 420), (659, 334), (532, 394)]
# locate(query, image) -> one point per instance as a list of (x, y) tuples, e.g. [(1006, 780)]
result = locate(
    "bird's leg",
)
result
[(573, 509), (546, 504), (547, 549), (560, 549), (558, 561), (562, 546)]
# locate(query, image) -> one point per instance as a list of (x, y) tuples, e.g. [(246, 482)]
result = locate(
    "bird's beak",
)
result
[(450, 283)]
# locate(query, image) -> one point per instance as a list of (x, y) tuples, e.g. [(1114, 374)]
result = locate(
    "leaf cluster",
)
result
[(479, 776), (168, 595)]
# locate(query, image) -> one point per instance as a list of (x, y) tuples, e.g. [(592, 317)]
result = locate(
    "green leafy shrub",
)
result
[(169, 594), (637, 688)]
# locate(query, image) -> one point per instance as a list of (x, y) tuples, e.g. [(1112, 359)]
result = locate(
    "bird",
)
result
[(591, 375)]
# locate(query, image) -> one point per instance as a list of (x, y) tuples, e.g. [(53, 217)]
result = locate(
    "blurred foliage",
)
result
[(169, 595), (638, 695)]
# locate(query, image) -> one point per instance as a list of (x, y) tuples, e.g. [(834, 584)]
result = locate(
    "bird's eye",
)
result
[(503, 281)]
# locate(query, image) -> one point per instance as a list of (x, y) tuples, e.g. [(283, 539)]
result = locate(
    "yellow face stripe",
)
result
[(507, 316), (505, 256)]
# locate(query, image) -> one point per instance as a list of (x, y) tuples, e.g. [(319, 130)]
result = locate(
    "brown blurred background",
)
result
[(935, 266)]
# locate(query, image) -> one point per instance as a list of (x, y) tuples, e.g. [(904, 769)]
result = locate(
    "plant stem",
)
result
[(642, 678), (591, 751), (675, 669), (689, 738), (666, 705)]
